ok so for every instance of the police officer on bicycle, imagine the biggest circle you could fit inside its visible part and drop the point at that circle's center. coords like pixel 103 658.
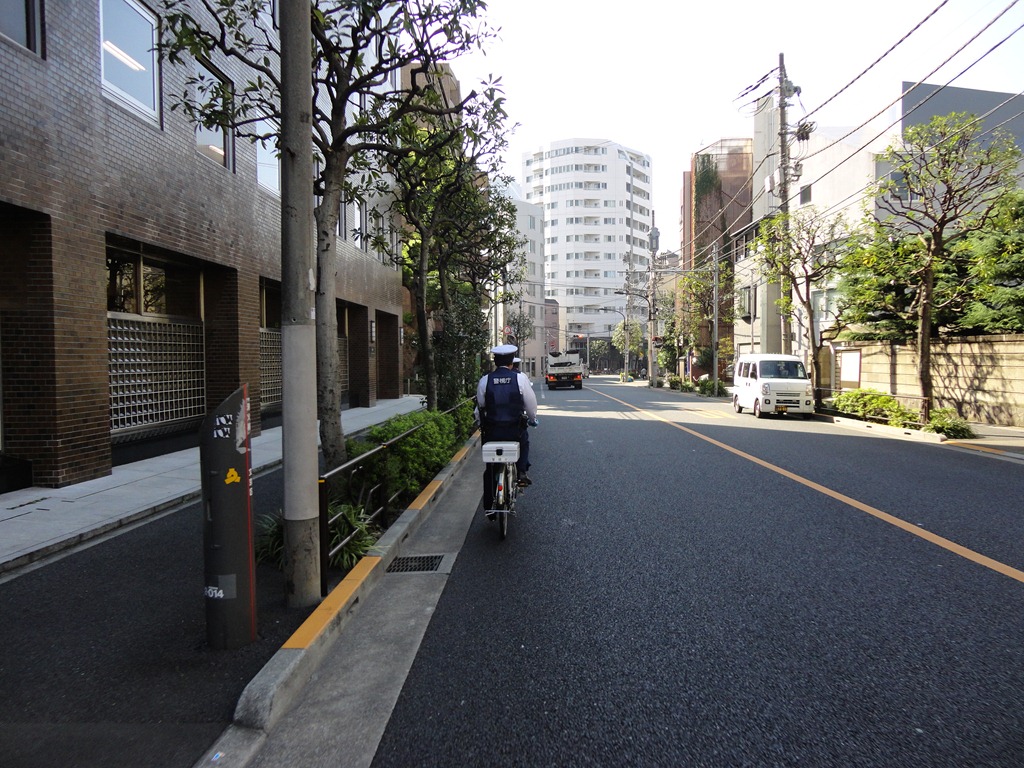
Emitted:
pixel 505 399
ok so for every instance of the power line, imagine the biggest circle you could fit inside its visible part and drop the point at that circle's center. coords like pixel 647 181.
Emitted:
pixel 936 69
pixel 875 63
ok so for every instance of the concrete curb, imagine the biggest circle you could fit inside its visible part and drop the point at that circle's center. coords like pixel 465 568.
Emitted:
pixel 883 429
pixel 274 690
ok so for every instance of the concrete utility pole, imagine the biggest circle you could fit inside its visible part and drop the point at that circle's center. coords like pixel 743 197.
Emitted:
pixel 785 91
pixel 714 323
pixel 652 322
pixel 298 312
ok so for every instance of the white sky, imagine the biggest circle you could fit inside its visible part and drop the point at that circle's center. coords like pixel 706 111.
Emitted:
pixel 662 76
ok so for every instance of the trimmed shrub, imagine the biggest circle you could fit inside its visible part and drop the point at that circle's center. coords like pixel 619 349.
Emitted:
pixel 872 405
pixel 416 459
pixel 946 421
pixel 707 387
pixel 674 382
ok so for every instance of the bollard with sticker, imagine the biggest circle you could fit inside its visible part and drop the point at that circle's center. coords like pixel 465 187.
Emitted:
pixel 225 460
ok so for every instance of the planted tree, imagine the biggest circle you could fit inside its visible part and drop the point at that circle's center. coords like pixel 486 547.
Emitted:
pixel 997 268
pixel 947 181
pixel 460 229
pixel 358 49
pixel 635 336
pixel 804 251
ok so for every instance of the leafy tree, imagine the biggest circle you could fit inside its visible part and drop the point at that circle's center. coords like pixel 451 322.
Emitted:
pixel 947 181
pixel 804 250
pixel 358 50
pixel 636 339
pixel 695 306
pixel 599 351
pixel 522 326
pixel 875 289
pixel 997 269
pixel 460 228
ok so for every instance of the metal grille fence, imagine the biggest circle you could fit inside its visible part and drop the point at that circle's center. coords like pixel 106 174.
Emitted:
pixel 271 377
pixel 157 372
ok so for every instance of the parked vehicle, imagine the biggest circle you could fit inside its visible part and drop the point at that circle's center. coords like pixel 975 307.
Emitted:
pixel 767 383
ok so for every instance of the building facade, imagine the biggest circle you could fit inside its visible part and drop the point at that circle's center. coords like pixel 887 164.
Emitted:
pixel 831 170
pixel 141 256
pixel 596 201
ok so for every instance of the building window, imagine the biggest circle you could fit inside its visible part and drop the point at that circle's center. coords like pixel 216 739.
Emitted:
pixel 359 227
pixel 269 16
pixel 145 285
pixel 213 142
pixel 343 231
pixel 805 195
pixel 21 21
pixel 128 34
pixel 268 164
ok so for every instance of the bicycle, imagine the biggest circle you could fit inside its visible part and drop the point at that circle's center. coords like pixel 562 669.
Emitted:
pixel 501 458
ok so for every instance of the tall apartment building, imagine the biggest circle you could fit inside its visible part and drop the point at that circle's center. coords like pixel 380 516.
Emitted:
pixel 140 258
pixel 596 200
pixel 530 289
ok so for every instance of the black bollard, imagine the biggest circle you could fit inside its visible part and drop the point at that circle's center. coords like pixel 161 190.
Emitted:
pixel 225 460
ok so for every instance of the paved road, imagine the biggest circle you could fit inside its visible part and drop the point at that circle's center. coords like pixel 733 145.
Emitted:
pixel 104 660
pixel 686 586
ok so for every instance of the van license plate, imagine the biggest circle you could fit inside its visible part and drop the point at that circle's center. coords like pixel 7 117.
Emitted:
pixel 781 408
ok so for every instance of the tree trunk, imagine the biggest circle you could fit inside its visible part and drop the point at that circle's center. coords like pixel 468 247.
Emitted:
pixel 814 345
pixel 924 341
pixel 426 337
pixel 332 435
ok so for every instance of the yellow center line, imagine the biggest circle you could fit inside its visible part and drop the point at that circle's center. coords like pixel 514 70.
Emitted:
pixel 951 546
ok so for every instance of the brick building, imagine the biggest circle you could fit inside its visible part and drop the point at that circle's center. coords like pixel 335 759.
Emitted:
pixel 139 257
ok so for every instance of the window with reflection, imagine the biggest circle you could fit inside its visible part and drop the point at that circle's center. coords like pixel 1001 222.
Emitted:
pixel 148 284
pixel 21 21
pixel 213 142
pixel 268 162
pixel 127 44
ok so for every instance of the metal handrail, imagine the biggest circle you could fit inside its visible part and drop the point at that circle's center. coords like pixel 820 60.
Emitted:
pixel 375 500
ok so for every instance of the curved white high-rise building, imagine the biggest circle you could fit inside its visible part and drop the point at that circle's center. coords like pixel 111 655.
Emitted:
pixel 596 198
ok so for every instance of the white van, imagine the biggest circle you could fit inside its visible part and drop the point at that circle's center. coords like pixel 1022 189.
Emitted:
pixel 772 384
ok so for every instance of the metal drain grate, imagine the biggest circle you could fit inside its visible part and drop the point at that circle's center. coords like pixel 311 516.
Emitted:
pixel 414 564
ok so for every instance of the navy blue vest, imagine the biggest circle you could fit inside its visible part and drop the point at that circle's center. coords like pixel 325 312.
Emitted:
pixel 503 402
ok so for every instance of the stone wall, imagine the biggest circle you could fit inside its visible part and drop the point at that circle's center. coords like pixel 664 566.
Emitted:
pixel 982 377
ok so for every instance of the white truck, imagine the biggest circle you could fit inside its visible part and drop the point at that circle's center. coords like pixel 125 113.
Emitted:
pixel 565 369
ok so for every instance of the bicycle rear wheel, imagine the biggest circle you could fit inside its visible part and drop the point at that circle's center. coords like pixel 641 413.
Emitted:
pixel 506 480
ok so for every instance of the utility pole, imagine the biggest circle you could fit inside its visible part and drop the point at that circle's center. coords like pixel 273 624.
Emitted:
pixel 298 315
pixel 714 323
pixel 652 360
pixel 786 90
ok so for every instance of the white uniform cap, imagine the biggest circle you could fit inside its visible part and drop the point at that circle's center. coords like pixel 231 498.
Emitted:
pixel 505 349
pixel 516 360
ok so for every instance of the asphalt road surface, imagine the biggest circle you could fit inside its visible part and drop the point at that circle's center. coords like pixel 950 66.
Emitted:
pixel 103 655
pixel 689 586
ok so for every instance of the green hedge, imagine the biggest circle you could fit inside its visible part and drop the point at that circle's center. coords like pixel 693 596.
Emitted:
pixel 870 404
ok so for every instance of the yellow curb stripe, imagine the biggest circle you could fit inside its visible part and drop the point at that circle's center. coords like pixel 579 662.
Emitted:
pixel 975 447
pixel 951 546
pixel 336 601
pixel 426 495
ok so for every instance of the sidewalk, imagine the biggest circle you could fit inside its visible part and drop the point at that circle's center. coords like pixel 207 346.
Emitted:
pixel 38 522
